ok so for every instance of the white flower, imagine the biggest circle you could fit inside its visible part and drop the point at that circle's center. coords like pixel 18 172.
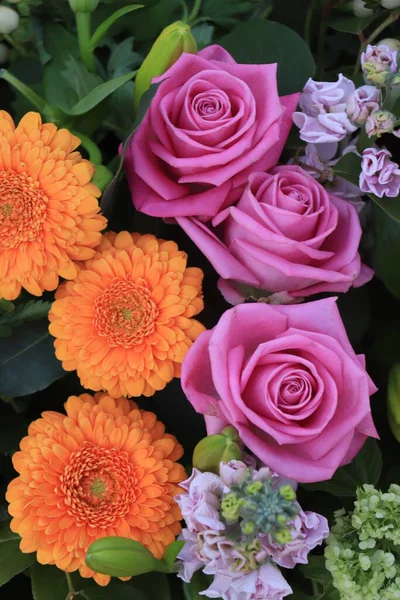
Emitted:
pixel 360 10
pixel 390 4
pixel 9 20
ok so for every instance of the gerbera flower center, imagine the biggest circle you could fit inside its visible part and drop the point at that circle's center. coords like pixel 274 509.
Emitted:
pixel 22 209
pixel 125 314
pixel 99 485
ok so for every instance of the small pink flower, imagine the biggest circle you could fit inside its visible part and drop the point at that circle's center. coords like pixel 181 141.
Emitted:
pixel 380 122
pixel 200 505
pixel 267 583
pixel 323 116
pixel 362 103
pixel 308 530
pixel 381 56
pixel 379 175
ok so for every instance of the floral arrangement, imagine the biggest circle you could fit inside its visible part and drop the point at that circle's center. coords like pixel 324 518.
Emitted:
pixel 199 294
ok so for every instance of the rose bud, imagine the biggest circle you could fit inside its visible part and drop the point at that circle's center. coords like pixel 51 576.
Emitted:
pixel 380 122
pixel 168 47
pixel 393 401
pixel 214 449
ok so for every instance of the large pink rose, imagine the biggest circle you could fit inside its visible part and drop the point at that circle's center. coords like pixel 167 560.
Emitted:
pixel 210 124
pixel 288 379
pixel 286 234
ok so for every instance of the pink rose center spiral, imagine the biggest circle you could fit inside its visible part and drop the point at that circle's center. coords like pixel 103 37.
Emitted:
pixel 212 105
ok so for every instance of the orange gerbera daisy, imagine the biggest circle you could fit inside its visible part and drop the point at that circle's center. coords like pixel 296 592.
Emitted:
pixel 125 322
pixel 105 469
pixel 48 207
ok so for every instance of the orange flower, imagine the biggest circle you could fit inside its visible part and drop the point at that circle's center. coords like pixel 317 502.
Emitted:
pixel 48 207
pixel 105 469
pixel 125 322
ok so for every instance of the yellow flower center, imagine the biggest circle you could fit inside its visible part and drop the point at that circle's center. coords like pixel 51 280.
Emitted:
pixel 125 314
pixel 22 209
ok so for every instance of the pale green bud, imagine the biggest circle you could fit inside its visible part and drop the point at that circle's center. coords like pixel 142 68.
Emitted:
pixel 283 536
pixel 230 507
pixel 375 74
pixel 360 10
pixel 393 401
pixel 390 4
pixel 83 6
pixel 168 47
pixel 248 527
pixel 254 487
pixel 287 492
pixel 391 43
pixel 120 557
pixel 214 449
pixel 9 20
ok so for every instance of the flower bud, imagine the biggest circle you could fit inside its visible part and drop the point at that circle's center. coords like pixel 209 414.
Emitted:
pixel 380 122
pixel 214 449
pixel 283 536
pixel 120 557
pixel 376 75
pixel 360 10
pixel 390 4
pixel 83 6
pixel 362 103
pixel 168 47
pixel 393 401
pixel 9 20
pixel 230 507
pixel 287 492
pixel 391 43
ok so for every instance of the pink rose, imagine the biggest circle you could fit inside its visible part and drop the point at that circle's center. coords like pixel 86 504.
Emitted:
pixel 288 379
pixel 210 124
pixel 286 234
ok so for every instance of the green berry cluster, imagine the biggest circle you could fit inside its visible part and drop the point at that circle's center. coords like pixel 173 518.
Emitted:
pixel 363 549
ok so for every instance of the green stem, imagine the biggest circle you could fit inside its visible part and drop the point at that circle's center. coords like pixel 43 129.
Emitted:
pixel 83 24
pixel 91 148
pixel 185 14
pixel 376 33
pixel 26 91
pixel 308 23
pixel 195 11
pixel 18 47
pixel 315 588
pixel 71 590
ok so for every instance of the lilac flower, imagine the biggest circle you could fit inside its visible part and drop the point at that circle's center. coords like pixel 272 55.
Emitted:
pixel 379 174
pixel 362 103
pixel 267 583
pixel 381 56
pixel 380 122
pixel 200 506
pixel 323 104
pixel 308 530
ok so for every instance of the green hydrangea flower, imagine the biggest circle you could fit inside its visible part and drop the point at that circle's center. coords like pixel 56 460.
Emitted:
pixel 363 549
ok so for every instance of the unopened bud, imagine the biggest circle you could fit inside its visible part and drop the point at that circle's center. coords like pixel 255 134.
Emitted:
pixel 380 122
pixel 247 527
pixel 391 43
pixel 9 20
pixel 287 492
pixel 390 4
pixel 360 10
pixel 120 557
pixel 375 74
pixel 83 6
pixel 168 47
pixel 230 507
pixel 393 401
pixel 214 449
pixel 283 536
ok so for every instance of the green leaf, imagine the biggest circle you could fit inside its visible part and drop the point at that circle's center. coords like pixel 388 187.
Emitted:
pixel 12 560
pixel 48 582
pixel 37 31
pixel 365 468
pixel 152 585
pixel 100 93
pixel 102 29
pixel 109 193
pixel 198 583
pixel 391 206
pixel 27 360
pixel 115 589
pixel 387 250
pixel 226 13
pixel 203 34
pixel 316 570
pixel 262 42
pixel 25 90
pixel 6 534
pixel 123 59
pixel 78 77
pixel 61 45
pixel 349 168
pixel 31 311
pixel 12 430
pixel 171 552
pixel 351 24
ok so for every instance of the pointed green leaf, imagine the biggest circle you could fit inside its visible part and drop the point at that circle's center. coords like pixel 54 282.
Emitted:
pixel 12 560
pixel 102 29
pixel 391 206
pixel 48 582
pixel 98 94
pixel 171 552
pixel 349 168
pixel 26 91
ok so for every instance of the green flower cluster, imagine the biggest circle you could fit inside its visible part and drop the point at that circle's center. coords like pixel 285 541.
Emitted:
pixel 363 549
pixel 255 507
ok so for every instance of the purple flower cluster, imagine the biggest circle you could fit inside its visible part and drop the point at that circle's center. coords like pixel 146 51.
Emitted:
pixel 240 571
pixel 379 175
